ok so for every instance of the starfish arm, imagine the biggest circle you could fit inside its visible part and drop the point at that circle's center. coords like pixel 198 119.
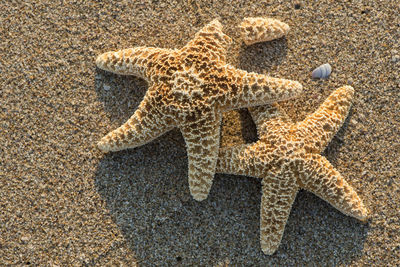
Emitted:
pixel 278 194
pixel 146 124
pixel 319 128
pixel 321 178
pixel 202 143
pixel 210 41
pixel 255 30
pixel 237 160
pixel 249 89
pixel 132 61
pixel 268 116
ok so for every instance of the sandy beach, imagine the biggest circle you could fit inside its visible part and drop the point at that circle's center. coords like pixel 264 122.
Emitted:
pixel 64 202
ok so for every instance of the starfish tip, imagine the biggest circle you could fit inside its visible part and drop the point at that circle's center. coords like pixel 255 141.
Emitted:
pixel 268 251
pixel 100 60
pixel 216 23
pixel 103 146
pixel 347 89
pixel 199 197
pixel 298 86
pixel 364 216
pixel 295 87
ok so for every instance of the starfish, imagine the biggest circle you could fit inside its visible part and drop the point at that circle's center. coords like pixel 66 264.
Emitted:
pixel 189 88
pixel 287 158
pixel 256 30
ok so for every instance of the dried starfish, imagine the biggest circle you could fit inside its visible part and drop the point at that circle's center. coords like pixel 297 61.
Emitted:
pixel 188 89
pixel 286 158
pixel 256 30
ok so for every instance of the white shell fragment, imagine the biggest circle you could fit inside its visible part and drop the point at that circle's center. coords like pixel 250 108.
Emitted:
pixel 322 72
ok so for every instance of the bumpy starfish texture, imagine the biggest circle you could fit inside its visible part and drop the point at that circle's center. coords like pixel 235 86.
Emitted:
pixel 188 89
pixel 255 30
pixel 286 158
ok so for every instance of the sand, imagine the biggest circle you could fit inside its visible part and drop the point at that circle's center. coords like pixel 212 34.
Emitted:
pixel 63 202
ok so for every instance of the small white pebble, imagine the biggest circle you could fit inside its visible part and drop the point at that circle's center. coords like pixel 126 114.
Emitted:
pixel 106 87
pixel 395 58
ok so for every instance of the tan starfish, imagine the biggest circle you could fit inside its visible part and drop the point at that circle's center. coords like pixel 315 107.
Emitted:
pixel 256 30
pixel 188 89
pixel 286 158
